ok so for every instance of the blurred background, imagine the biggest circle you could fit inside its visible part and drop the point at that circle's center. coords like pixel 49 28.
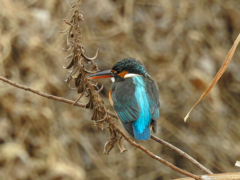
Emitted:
pixel 181 43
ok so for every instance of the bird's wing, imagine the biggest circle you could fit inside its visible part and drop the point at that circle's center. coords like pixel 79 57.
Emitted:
pixel 124 101
pixel 153 94
pixel 126 105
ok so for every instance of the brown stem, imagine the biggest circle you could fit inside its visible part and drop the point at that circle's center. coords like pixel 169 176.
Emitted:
pixel 151 154
pixel 188 157
pixel 41 93
pixel 61 99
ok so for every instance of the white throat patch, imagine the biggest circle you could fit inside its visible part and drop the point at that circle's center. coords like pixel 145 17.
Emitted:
pixel 112 79
pixel 129 75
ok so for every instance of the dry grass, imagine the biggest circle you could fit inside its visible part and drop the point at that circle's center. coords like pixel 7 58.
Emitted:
pixel 182 44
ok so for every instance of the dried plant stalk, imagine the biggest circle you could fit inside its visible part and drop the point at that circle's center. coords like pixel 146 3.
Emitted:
pixel 218 75
pixel 77 66
pixel 111 142
pixel 78 74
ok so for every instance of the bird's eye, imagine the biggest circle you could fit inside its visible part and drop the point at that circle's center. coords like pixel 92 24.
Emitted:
pixel 115 72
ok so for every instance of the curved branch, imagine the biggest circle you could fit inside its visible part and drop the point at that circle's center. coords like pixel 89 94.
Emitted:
pixel 195 162
pixel 151 154
pixel 93 58
pixel 41 93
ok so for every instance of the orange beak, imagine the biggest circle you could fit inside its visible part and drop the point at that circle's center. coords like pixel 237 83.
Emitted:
pixel 101 74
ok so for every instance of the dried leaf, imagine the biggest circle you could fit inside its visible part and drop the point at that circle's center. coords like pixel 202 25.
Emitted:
pixel 78 72
pixel 100 89
pixel 69 65
pixel 75 72
pixel 94 69
pixel 90 105
pixel 120 145
pixel 86 61
pixel 111 142
pixel 78 80
pixel 67 49
pixel 218 75
pixel 93 58
pixel 81 88
pixel 86 71
pixel 67 22
pixel 99 112
pixel 98 124
pixel 70 56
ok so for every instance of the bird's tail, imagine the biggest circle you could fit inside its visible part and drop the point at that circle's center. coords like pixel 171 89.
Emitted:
pixel 145 135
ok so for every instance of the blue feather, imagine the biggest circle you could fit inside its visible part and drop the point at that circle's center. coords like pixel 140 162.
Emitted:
pixel 141 126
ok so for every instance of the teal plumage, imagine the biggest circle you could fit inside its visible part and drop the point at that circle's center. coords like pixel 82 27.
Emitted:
pixel 135 97
pixel 135 107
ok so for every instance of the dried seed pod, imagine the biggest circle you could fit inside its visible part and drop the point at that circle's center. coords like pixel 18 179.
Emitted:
pixel 81 88
pixel 111 141
pixel 93 58
pixel 78 80
pixel 94 68
pixel 75 72
pixel 90 105
pixel 69 65
pixel 120 145
pixel 78 71
pixel 99 124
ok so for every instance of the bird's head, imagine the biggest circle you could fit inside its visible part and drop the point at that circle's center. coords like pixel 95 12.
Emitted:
pixel 123 69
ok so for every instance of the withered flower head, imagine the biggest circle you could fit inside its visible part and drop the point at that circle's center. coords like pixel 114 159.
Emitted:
pixel 77 66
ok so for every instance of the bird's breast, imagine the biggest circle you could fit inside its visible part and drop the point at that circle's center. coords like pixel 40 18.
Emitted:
pixel 110 97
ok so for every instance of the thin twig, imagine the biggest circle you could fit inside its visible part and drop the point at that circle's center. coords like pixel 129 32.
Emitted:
pixel 113 115
pixel 41 93
pixel 151 154
pixel 57 98
pixel 188 157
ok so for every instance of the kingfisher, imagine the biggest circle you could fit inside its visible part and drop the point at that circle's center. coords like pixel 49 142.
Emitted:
pixel 134 96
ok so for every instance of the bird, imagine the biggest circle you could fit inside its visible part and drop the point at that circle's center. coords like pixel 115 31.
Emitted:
pixel 134 96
